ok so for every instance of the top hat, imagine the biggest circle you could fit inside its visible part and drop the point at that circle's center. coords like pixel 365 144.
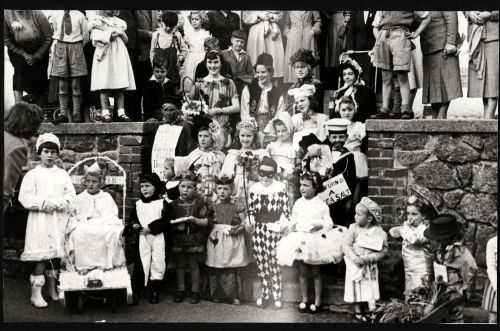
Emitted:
pixel 442 227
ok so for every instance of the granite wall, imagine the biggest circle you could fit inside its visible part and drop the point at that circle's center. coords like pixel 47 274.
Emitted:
pixel 454 162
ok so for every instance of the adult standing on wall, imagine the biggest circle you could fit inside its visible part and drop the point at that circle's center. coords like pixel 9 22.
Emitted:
pixel 439 42
pixel 261 41
pixel 21 123
pixel 301 29
pixel 28 36
pixel 146 23
pixel 482 35
pixel 221 24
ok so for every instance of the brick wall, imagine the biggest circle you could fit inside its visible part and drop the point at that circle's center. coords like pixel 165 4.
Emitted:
pixel 129 144
pixel 453 162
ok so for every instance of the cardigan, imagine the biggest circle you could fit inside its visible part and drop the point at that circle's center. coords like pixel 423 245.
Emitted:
pixel 442 30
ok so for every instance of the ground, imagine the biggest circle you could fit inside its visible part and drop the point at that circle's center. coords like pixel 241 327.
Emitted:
pixel 17 308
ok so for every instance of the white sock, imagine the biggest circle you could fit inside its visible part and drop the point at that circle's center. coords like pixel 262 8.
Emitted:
pixel 121 112
pixel 105 112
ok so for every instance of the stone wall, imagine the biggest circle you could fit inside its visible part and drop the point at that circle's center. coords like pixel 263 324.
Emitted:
pixel 129 144
pixel 453 162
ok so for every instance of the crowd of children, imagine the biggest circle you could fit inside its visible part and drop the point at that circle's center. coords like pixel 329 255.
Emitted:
pixel 260 178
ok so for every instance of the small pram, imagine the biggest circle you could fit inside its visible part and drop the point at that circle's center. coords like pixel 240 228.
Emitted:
pixel 76 287
pixel 441 314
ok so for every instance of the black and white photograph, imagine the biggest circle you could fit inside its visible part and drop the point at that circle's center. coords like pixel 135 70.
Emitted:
pixel 250 166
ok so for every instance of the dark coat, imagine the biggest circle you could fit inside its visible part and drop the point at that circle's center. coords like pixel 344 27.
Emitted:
pixel 146 24
pixel 221 27
pixel 359 35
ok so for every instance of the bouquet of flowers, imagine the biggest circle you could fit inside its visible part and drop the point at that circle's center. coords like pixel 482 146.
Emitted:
pixel 193 107
pixel 247 160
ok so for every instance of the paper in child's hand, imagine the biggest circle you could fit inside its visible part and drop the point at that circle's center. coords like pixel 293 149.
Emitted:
pixel 440 273
pixel 179 220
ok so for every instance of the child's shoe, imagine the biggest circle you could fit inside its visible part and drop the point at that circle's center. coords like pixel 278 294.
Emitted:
pixel 195 298
pixel 52 276
pixel 313 309
pixel 124 118
pixel 179 296
pixel 37 283
pixel 236 302
pixel 277 304
pixel 106 118
pixel 303 307
pixel 155 293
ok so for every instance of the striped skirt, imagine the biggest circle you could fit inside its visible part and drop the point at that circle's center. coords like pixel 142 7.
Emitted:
pixel 489 298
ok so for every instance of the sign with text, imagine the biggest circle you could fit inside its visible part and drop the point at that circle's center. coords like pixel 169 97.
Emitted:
pixel 336 189
pixel 164 147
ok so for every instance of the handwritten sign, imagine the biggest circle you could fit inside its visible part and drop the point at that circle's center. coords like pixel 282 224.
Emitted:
pixel 375 243
pixel 440 273
pixel 164 147
pixel 336 189
pixel 110 180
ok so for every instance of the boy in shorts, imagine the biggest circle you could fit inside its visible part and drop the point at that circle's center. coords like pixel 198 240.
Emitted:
pixel 70 34
pixel 392 54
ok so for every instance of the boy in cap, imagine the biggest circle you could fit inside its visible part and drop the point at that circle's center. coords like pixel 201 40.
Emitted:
pixel 342 211
pixel 241 64
pixel 453 257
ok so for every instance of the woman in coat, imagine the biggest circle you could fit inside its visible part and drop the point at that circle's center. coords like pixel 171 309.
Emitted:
pixel 483 58
pixel 439 42
pixel 259 42
pixel 301 29
pixel 28 36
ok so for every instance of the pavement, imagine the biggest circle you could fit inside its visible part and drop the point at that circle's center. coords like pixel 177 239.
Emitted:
pixel 17 308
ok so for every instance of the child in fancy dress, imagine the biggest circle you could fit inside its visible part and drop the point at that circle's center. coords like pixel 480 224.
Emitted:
pixel 149 221
pixel 206 161
pixel 47 192
pixel 189 221
pixel 416 248
pixel 95 238
pixel 364 244
pixel 268 216
pixel 111 67
pixel 226 249
pixel 313 241
pixel 241 163
pixel 454 265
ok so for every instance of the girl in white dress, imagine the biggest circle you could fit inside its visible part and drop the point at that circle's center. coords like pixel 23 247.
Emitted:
pixel 196 51
pixel 46 191
pixel 111 67
pixel 313 240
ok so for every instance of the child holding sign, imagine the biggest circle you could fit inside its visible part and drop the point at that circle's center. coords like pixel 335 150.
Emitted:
pixel 454 265
pixel 313 240
pixel 188 242
pixel 364 245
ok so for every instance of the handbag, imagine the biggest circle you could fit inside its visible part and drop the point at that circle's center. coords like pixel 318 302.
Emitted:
pixel 170 55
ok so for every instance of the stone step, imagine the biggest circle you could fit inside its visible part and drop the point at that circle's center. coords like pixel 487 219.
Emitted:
pixel 333 288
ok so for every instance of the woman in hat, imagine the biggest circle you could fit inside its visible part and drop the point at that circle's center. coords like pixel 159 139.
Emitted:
pixel 454 258
pixel 220 96
pixel 47 192
pixel 364 244
pixel 307 119
pixel 259 42
pixel 261 101
pixel 301 30
pixel 362 95
pixel 303 63
pixel 416 248
pixel 268 218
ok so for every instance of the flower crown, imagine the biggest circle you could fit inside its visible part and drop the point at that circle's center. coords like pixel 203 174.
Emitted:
pixel 355 64
pixel 246 125
pixel 214 127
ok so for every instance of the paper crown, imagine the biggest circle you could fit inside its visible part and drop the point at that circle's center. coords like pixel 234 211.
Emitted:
pixel 303 91
pixel 248 125
pixel 373 208
pixel 94 168
pixel 47 137
pixel 337 125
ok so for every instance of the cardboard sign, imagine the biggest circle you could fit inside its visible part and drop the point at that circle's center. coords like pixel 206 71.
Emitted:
pixel 374 243
pixel 336 189
pixel 164 146
pixel 440 273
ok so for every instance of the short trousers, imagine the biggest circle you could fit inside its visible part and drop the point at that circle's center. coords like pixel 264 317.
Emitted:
pixel 392 50
pixel 68 60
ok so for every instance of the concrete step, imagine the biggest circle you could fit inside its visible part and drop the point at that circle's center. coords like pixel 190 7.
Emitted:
pixel 333 288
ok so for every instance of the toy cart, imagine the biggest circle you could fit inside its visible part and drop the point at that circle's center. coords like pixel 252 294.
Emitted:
pixel 114 284
pixel 441 314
